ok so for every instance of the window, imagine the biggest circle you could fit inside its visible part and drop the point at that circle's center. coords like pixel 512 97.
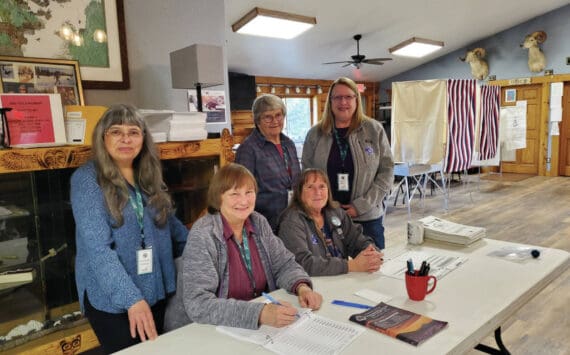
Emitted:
pixel 298 120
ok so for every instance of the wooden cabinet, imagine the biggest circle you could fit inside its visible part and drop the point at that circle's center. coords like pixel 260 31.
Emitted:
pixel 37 233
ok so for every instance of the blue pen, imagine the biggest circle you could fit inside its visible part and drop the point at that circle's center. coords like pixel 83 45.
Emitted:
pixel 410 267
pixel 274 301
pixel 351 304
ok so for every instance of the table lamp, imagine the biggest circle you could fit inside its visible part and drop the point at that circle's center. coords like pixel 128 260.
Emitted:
pixel 197 66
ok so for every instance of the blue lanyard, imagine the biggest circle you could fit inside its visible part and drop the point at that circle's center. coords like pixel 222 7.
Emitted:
pixel 244 251
pixel 139 211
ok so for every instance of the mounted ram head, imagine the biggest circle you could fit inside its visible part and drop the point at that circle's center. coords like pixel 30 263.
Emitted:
pixel 536 58
pixel 479 67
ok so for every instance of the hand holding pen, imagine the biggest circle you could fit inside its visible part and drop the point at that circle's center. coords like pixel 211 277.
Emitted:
pixel 277 313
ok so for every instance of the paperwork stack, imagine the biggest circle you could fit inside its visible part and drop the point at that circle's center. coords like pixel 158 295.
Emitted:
pixel 450 232
pixel 167 125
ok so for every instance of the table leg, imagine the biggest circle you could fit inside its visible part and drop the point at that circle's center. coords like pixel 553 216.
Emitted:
pixel 489 350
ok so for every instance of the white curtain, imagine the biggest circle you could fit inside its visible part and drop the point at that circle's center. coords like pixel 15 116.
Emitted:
pixel 419 116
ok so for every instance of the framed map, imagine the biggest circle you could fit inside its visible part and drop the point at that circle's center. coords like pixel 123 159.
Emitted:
pixel 89 31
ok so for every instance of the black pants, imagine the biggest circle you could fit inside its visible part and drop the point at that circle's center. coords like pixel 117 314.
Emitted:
pixel 113 329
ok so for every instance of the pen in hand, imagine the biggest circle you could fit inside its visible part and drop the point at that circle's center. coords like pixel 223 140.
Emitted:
pixel 274 301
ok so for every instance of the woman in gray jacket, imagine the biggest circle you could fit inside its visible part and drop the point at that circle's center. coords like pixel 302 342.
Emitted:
pixel 231 257
pixel 320 233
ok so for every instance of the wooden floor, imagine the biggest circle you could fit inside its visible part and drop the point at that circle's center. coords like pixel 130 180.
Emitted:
pixel 535 210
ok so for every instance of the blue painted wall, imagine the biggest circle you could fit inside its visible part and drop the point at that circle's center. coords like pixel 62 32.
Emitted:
pixel 505 57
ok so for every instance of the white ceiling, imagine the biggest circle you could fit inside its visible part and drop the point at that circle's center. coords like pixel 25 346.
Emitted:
pixel 383 24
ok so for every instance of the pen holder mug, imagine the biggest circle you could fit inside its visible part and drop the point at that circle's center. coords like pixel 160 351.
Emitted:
pixel 417 286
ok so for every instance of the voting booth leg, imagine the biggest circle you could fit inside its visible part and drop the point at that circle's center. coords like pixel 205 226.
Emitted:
pixel 489 350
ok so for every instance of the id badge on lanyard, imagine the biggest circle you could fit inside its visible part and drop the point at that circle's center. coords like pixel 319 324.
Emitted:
pixel 144 261
pixel 343 184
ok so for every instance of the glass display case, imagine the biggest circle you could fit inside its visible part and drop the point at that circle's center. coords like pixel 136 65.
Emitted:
pixel 37 247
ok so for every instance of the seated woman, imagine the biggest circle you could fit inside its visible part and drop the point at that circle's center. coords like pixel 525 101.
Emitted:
pixel 234 257
pixel 321 234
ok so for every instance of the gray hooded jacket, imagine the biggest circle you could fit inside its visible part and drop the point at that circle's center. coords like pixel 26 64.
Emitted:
pixel 203 276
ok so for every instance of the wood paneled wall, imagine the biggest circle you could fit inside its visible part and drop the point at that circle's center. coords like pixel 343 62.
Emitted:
pixel 242 121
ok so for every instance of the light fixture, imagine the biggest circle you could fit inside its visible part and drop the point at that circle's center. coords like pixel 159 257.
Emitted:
pixel 258 88
pixel 272 89
pixel 270 23
pixel 308 91
pixel 297 90
pixel 197 66
pixel 416 47
pixel 287 90
pixel 319 90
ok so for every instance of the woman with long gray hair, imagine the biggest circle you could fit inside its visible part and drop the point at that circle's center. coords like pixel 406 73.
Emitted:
pixel 126 232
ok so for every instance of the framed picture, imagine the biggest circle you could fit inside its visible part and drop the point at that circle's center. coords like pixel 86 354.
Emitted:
pixel 213 104
pixel 42 76
pixel 510 95
pixel 89 31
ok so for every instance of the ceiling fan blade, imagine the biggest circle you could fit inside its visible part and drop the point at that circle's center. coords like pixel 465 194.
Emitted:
pixel 374 63
pixel 347 64
pixel 344 61
pixel 377 59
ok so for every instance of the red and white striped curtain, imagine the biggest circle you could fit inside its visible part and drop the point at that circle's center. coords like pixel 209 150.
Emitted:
pixel 490 112
pixel 461 115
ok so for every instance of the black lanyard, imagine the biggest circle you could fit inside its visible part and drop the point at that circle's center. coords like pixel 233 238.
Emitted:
pixel 342 146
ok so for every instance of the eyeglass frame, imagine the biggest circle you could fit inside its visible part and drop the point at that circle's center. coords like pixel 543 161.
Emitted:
pixel 129 133
pixel 279 117
pixel 341 98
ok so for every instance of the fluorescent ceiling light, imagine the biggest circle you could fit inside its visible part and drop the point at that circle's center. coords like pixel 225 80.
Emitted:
pixel 270 23
pixel 416 47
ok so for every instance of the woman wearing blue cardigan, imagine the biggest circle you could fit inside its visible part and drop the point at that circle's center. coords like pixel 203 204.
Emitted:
pixel 126 233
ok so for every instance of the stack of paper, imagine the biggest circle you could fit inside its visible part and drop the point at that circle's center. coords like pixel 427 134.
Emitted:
pixel 175 126
pixel 447 231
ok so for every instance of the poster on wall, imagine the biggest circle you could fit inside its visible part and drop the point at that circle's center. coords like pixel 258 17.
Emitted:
pixel 213 104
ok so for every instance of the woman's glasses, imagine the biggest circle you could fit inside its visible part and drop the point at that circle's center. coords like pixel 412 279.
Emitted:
pixel 340 98
pixel 267 118
pixel 117 133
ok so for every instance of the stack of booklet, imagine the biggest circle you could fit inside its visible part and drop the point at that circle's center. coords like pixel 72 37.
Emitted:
pixel 167 125
pixel 446 231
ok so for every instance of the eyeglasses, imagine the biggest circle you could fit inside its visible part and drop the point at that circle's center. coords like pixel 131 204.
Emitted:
pixel 269 118
pixel 117 133
pixel 340 98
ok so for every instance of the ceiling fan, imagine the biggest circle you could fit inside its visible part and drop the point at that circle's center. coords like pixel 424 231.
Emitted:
pixel 359 59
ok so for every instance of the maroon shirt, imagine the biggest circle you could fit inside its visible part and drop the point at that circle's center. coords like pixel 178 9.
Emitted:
pixel 240 285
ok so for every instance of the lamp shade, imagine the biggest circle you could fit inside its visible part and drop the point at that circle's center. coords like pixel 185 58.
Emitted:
pixel 197 64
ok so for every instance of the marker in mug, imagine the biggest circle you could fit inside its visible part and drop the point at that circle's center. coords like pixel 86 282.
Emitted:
pixel 274 301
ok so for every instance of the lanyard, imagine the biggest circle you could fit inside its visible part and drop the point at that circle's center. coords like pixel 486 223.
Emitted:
pixel 139 211
pixel 286 160
pixel 342 147
pixel 329 242
pixel 246 257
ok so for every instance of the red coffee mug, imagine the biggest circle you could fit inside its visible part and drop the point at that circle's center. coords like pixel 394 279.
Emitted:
pixel 417 286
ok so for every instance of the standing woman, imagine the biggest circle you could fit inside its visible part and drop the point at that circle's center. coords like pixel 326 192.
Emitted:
pixel 126 233
pixel 271 157
pixel 354 151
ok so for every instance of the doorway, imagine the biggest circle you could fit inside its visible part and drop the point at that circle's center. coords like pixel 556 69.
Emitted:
pixel 526 161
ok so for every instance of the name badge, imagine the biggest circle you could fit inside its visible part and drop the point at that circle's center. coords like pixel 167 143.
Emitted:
pixel 289 197
pixel 144 261
pixel 343 182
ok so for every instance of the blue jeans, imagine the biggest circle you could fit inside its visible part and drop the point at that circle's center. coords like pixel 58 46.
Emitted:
pixel 374 229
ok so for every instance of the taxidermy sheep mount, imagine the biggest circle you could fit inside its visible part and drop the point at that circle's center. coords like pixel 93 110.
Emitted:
pixel 479 67
pixel 536 58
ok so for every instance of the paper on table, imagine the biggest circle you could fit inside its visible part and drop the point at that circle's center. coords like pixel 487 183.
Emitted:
pixel 311 334
pixel 440 264
pixel 373 296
